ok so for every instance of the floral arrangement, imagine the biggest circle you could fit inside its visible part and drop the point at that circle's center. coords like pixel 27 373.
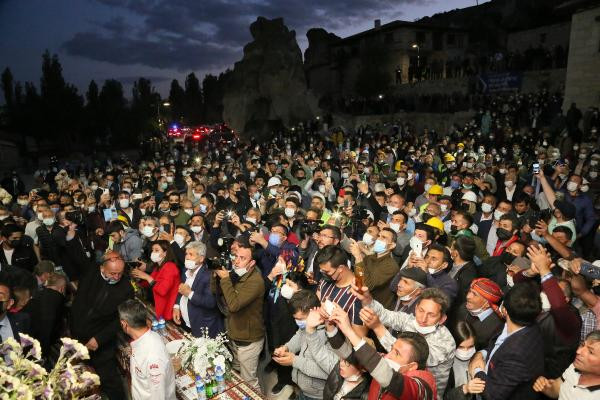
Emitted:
pixel 204 353
pixel 22 377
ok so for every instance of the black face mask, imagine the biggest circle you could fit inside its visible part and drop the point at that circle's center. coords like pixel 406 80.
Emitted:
pixel 15 243
pixel 507 258
pixel 174 206
pixel 503 234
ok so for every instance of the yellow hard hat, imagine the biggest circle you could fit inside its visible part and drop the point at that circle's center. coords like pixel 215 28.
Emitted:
pixel 398 165
pixel 435 222
pixel 461 145
pixel 449 157
pixel 436 189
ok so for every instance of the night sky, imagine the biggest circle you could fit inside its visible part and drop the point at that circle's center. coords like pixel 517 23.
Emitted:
pixel 166 39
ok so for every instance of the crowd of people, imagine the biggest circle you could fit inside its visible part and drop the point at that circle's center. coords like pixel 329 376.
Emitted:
pixel 374 265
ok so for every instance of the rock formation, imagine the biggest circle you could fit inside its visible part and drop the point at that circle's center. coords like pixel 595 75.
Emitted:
pixel 267 88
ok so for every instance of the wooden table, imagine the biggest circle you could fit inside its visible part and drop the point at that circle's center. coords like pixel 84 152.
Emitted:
pixel 237 389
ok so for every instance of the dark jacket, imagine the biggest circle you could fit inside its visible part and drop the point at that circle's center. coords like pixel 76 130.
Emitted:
pixel 515 366
pixel 334 384
pixel 465 275
pixel 94 310
pixel 485 330
pixel 19 323
pixel 379 272
pixel 244 302
pixel 47 312
pixel 23 257
pixel 202 306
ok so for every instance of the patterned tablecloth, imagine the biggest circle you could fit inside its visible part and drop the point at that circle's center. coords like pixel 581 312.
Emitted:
pixel 237 389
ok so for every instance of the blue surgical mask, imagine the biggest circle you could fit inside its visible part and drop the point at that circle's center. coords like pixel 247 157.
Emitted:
pixel 379 246
pixel 301 324
pixel 454 184
pixel 274 239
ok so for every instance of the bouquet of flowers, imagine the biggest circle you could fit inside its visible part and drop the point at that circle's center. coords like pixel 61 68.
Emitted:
pixel 205 353
pixel 22 377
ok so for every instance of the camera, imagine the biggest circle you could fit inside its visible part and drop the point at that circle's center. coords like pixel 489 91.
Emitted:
pixel 537 216
pixel 222 261
pixel 75 216
pixel 308 227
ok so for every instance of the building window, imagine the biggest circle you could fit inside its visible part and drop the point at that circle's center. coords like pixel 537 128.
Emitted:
pixel 388 38
pixel 542 38
pixel 451 39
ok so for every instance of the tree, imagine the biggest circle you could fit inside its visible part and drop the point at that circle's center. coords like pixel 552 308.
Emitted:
pixel 8 88
pixel 113 113
pixel 177 100
pixel 212 88
pixel 193 99
pixel 144 106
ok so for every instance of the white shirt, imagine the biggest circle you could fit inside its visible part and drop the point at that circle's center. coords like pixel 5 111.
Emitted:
pixel 152 374
pixel 8 254
pixel 571 390
pixel 190 276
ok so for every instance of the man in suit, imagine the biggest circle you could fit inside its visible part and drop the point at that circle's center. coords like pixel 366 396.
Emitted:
pixel 95 320
pixel 47 309
pixel 196 304
pixel 512 363
pixel 11 324
pixel 15 251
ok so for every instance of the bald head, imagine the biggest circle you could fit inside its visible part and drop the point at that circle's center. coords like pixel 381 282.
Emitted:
pixel 112 267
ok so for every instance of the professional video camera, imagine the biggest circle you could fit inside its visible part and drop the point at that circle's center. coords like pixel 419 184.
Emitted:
pixel 76 217
pixel 223 260
pixel 308 227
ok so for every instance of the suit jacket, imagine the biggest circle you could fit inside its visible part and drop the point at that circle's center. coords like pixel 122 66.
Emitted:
pixel 485 330
pixel 19 323
pixel 47 309
pixel 202 306
pixel 23 256
pixel 94 310
pixel 483 227
pixel 515 366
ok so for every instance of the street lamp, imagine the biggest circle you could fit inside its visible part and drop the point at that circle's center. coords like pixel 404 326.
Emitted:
pixel 165 104
pixel 380 97
pixel 416 46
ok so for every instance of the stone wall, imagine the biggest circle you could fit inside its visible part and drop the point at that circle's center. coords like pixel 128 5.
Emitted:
pixel 440 122
pixel 552 35
pixel 583 78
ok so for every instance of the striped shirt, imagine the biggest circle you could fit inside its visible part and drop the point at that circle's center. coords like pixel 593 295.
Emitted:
pixel 343 297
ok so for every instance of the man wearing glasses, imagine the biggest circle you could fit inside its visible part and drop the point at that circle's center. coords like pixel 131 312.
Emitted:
pixel 95 319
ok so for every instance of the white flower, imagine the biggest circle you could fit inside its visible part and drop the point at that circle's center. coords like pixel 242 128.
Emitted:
pixel 219 361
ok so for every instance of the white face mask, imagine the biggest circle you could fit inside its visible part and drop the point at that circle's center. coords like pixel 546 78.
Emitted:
pixel 431 271
pixel 498 214
pixel 155 257
pixel 196 229
pixel 289 212
pixel 400 181
pixel 124 203
pixel 424 330
pixel 190 264
pixel 572 186
pixel 287 292
pixel 353 378
pixel 368 239
pixel 91 209
pixel 413 212
pixel 486 208
pixel 179 239
pixel 240 271
pixel 189 211
pixel 443 208
pixel 407 297
pixel 509 184
pixel 509 281
pixel 322 189
pixel 465 355
pixel 392 209
pixel 545 302
pixel 47 221
pixel 40 216
pixel 395 227
pixel 148 231
pixel 250 219
pixel 393 364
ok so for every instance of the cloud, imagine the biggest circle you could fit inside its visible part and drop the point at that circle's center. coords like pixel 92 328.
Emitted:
pixel 209 34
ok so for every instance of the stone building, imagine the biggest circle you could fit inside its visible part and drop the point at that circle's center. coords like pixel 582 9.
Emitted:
pixel 583 78
pixel 411 48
